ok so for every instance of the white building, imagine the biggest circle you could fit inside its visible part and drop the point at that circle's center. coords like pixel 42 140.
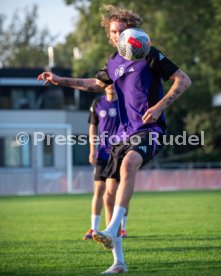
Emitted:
pixel 46 116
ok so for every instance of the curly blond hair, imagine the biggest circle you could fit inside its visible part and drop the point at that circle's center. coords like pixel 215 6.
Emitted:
pixel 110 13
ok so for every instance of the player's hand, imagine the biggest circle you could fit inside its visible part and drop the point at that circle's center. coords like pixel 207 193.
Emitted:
pixel 92 158
pixel 49 78
pixel 151 115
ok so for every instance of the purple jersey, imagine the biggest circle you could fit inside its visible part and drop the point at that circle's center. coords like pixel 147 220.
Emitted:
pixel 138 85
pixel 105 115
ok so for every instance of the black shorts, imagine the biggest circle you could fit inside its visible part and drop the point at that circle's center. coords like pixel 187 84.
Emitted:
pixel 98 169
pixel 147 148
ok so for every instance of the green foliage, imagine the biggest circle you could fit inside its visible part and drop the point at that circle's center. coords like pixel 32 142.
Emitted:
pixel 204 121
pixel 22 44
pixel 90 39
pixel 63 55
pixel 170 233
pixel 189 33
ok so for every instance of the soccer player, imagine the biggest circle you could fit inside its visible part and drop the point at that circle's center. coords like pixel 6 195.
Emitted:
pixel 103 119
pixel 141 106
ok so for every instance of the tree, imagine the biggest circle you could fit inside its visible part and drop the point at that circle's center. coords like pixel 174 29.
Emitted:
pixel 23 45
pixel 189 33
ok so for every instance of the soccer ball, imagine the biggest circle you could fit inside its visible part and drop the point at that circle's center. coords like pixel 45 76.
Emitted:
pixel 133 44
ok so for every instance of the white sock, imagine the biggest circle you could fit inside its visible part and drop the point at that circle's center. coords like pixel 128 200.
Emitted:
pixel 124 223
pixel 118 250
pixel 95 222
pixel 117 216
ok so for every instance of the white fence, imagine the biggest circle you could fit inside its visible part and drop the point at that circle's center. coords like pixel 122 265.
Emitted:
pixel 55 181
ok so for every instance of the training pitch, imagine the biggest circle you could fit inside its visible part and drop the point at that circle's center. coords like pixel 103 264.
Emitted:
pixel 170 233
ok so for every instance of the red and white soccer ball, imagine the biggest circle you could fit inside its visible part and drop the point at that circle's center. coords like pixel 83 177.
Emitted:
pixel 133 44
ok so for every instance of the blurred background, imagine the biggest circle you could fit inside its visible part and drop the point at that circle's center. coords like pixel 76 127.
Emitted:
pixel 65 37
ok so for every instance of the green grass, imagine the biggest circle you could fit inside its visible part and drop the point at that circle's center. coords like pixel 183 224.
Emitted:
pixel 170 233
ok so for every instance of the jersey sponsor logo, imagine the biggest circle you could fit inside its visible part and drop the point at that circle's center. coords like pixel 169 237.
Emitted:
pixel 161 56
pixel 102 113
pixel 119 71
pixel 112 112
pixel 131 69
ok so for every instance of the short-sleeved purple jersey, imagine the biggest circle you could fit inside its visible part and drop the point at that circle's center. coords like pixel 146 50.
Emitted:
pixel 138 85
pixel 105 115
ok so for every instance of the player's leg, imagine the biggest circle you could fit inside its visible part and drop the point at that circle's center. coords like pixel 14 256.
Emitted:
pixel 111 172
pixel 96 207
pixel 109 198
pixel 97 200
pixel 97 203
pixel 109 201
pixel 124 225
pixel 117 251
pixel 130 165
pixel 112 239
pixel 134 157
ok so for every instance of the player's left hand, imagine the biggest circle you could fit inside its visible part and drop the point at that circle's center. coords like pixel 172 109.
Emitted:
pixel 151 115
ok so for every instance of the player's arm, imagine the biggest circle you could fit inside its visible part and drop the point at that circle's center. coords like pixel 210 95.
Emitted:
pixel 180 84
pixel 90 84
pixel 166 70
pixel 93 130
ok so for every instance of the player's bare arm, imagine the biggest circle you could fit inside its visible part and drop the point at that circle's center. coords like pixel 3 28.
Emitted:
pixel 92 84
pixel 93 131
pixel 180 84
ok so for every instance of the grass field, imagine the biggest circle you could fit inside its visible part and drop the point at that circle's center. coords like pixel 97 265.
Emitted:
pixel 170 233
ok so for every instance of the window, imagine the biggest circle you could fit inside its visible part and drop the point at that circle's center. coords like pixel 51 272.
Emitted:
pixel 48 151
pixel 81 152
pixel 13 154
pixel 23 99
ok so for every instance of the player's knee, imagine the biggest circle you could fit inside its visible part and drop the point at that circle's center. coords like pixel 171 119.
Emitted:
pixel 99 191
pixel 109 198
pixel 102 190
pixel 128 166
